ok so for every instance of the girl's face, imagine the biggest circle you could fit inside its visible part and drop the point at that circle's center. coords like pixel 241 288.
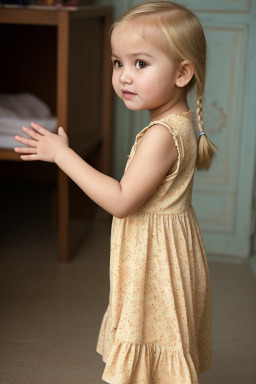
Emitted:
pixel 144 77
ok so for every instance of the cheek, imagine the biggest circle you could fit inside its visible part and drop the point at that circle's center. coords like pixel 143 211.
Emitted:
pixel 150 80
pixel 114 81
pixel 116 85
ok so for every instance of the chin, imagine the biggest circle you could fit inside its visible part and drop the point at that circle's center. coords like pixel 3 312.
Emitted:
pixel 133 107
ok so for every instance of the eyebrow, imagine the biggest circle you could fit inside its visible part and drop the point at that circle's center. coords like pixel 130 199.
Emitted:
pixel 136 54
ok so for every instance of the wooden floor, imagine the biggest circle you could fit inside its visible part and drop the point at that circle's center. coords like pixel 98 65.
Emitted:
pixel 51 312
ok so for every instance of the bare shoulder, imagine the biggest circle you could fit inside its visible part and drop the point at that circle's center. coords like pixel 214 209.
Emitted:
pixel 159 137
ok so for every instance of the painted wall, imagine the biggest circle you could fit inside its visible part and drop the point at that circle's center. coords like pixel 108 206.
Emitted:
pixel 223 197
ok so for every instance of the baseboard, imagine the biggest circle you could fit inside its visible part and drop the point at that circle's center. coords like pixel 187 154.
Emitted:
pixel 252 262
pixel 226 259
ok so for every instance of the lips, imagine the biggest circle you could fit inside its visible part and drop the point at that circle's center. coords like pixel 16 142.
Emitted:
pixel 127 94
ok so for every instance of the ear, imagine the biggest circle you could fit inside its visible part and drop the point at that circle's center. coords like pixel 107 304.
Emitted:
pixel 185 73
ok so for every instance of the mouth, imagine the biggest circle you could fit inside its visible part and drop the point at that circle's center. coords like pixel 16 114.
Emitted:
pixel 127 94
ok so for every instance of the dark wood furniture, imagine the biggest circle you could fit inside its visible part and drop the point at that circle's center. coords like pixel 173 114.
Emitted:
pixel 62 55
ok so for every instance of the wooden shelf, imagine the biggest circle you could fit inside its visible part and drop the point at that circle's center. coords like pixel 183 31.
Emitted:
pixel 62 55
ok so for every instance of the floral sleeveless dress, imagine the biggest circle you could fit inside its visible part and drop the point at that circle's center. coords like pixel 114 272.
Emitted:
pixel 157 327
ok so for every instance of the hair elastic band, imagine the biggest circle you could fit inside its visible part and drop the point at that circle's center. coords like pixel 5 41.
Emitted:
pixel 202 133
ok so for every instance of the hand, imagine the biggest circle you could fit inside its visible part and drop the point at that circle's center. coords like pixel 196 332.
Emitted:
pixel 43 144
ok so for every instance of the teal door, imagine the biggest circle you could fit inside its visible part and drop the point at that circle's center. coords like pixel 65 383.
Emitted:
pixel 223 196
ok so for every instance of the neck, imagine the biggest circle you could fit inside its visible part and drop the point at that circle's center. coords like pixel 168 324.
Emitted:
pixel 166 110
pixel 177 104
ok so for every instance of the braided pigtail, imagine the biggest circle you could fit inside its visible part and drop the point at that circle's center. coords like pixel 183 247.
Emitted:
pixel 206 149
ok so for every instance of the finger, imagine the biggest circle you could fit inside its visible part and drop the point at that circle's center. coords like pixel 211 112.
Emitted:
pixel 25 150
pixel 39 129
pixel 24 140
pixel 30 132
pixel 29 157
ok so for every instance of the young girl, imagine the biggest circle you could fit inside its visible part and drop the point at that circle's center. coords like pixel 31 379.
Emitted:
pixel 157 327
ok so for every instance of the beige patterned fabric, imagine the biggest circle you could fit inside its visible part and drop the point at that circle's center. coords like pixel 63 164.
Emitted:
pixel 157 327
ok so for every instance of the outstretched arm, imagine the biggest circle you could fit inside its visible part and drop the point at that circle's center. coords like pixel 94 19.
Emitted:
pixel 46 146
pixel 155 155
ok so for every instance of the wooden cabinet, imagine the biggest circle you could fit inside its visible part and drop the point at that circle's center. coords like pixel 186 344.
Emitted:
pixel 62 55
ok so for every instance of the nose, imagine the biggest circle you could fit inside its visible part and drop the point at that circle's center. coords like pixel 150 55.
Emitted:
pixel 125 76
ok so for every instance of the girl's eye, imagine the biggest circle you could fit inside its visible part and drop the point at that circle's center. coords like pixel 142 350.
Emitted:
pixel 117 64
pixel 141 64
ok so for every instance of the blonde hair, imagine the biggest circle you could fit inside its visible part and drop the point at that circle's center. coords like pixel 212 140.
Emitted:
pixel 184 40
